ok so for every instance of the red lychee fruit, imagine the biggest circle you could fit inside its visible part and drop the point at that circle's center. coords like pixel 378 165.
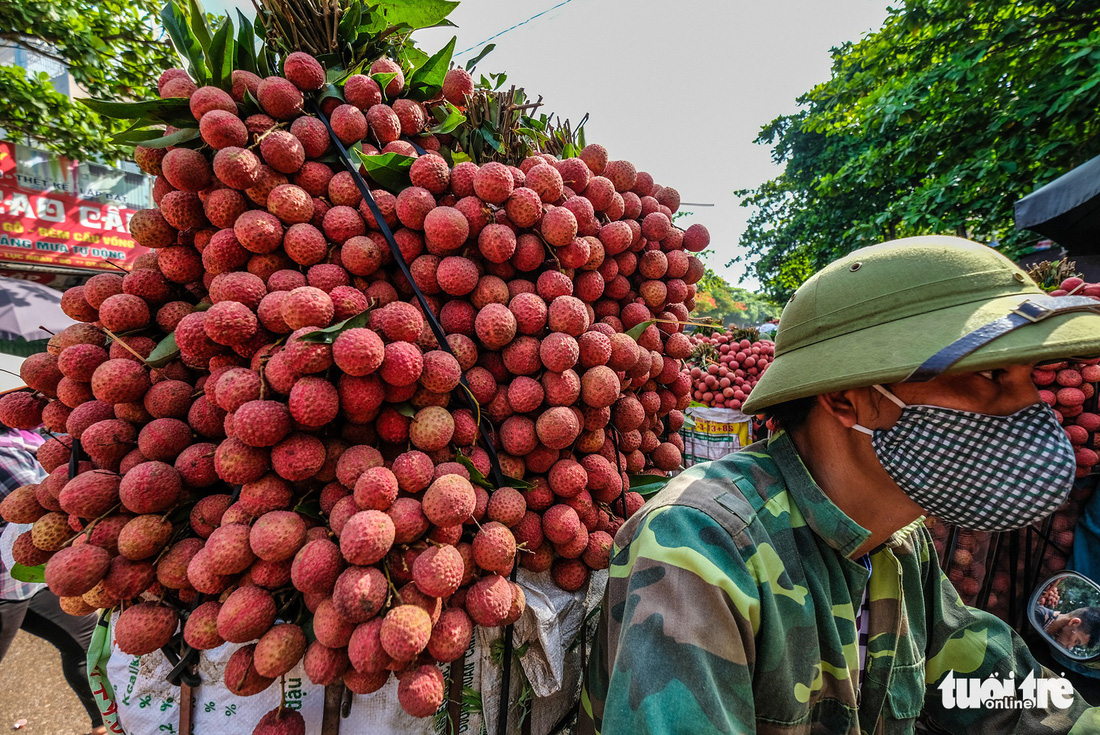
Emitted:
pixel 493 183
pixel 367 537
pixel 362 91
pixel 74 570
pixel 305 73
pixel 449 501
pixel 186 169
pixel 489 600
pixel 280 98
pixel 221 129
pixel 144 628
pixel 420 691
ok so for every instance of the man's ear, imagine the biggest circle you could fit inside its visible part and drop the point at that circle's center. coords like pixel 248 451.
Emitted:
pixel 1075 622
pixel 840 406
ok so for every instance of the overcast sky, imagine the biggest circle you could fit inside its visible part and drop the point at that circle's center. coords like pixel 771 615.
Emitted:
pixel 678 88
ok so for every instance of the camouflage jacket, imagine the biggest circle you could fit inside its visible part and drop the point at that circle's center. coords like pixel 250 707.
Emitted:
pixel 731 608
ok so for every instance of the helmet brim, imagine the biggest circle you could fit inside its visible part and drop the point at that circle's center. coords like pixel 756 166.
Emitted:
pixel 891 351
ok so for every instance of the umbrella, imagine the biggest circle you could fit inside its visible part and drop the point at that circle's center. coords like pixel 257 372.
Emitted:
pixel 1067 210
pixel 9 373
pixel 30 310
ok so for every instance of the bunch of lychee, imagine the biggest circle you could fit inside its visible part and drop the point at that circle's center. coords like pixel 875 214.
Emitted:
pixel 1070 388
pixel 725 369
pixel 268 474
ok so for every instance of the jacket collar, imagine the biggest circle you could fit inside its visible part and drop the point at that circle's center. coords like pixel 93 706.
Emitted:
pixel 822 515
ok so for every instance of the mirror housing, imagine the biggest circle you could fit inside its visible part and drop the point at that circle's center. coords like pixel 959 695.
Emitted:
pixel 1065 610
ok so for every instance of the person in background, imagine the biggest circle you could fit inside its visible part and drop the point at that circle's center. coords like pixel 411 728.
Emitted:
pixel 792 588
pixel 1071 629
pixel 32 607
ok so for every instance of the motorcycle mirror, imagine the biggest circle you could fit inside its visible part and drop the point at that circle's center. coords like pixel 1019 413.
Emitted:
pixel 1066 611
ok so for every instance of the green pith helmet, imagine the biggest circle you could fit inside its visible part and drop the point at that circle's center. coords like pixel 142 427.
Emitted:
pixel 915 308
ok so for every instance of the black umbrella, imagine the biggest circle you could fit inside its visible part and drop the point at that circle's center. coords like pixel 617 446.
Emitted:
pixel 1067 210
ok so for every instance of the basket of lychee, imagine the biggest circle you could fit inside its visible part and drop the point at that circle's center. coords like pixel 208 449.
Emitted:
pixel 724 369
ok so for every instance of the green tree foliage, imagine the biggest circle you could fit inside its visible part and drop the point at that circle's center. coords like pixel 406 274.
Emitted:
pixel 717 299
pixel 936 123
pixel 113 49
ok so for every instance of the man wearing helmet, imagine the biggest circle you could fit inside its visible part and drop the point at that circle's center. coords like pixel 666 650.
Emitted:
pixel 792 588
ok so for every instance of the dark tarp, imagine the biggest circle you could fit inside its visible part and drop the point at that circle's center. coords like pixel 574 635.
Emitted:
pixel 1067 210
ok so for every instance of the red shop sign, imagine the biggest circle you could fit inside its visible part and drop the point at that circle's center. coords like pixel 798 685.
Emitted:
pixel 59 229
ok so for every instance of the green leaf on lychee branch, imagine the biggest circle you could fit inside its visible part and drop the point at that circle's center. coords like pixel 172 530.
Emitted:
pixel 405 409
pixel 471 700
pixel 186 43
pixel 410 57
pixel 162 110
pixel 333 74
pixel 427 80
pixel 518 484
pixel 490 139
pixel 391 170
pixel 166 351
pixel 163 141
pixel 307 628
pixel 348 29
pixel 328 335
pixel 29 574
pixel 222 55
pixel 416 13
pixel 646 485
pixel 475 475
pixel 330 90
pixel 264 61
pixel 138 133
pixel 485 50
pixel 246 45
pixel 199 25
pixel 310 507
pixel 449 118
pixel 482 481
pixel 636 331
pixel 383 79
pixel 493 81
pixel 536 135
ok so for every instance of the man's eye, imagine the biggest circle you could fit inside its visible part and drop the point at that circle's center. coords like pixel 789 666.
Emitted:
pixel 987 374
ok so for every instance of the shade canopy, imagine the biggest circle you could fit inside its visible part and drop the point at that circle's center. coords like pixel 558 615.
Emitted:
pixel 1067 210
pixel 30 310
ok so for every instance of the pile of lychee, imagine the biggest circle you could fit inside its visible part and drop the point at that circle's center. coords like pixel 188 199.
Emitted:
pixel 321 497
pixel 1070 388
pixel 724 368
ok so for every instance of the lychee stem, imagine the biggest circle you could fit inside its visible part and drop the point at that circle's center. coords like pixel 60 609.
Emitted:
pixel 91 524
pixel 393 589
pixel 58 438
pixel 132 351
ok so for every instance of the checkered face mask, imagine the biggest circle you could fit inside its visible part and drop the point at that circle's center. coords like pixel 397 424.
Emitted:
pixel 982 472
